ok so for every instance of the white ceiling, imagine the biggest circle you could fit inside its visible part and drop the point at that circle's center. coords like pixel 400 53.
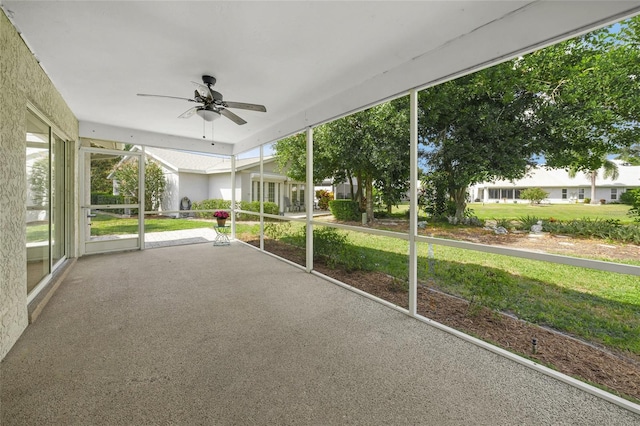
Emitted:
pixel 307 62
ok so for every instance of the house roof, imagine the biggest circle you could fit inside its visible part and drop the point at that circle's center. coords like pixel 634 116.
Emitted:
pixel 190 162
pixel 628 177
pixel 308 62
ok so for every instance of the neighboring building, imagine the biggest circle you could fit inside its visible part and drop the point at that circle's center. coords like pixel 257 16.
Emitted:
pixel 201 177
pixel 560 187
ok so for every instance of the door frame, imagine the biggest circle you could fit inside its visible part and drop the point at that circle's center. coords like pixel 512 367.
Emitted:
pixel 88 246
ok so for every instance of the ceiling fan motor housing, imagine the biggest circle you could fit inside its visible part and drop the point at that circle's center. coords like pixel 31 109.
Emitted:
pixel 208 80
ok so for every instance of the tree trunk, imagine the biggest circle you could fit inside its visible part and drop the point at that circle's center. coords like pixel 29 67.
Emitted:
pixel 594 175
pixel 460 198
pixel 369 183
pixel 351 187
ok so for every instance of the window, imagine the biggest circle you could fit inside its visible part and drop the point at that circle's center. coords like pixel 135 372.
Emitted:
pixel 507 193
pixel 516 194
pixel 581 194
pixel 564 193
pixel 494 193
pixel 271 194
pixel 614 193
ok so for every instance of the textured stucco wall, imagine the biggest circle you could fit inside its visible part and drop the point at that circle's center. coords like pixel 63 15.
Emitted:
pixel 22 80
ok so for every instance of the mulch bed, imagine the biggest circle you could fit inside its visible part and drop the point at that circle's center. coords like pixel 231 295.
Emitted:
pixel 619 372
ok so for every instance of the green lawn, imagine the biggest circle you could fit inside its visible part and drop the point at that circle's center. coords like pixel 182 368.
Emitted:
pixel 599 306
pixel 557 211
pixel 513 211
pixel 109 225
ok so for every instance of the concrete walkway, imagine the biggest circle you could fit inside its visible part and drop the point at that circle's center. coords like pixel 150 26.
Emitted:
pixel 204 335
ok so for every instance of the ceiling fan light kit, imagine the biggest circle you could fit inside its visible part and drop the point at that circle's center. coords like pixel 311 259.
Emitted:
pixel 208 114
pixel 212 103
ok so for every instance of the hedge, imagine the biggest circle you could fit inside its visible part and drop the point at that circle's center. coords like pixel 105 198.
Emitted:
pixel 218 204
pixel 211 204
pixel 254 206
pixel 347 210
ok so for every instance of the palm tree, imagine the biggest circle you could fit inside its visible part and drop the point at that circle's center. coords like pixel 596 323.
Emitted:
pixel 610 171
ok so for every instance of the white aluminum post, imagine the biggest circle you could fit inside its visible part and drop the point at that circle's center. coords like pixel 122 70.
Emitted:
pixel 233 197
pixel 261 198
pixel 309 199
pixel 141 188
pixel 413 203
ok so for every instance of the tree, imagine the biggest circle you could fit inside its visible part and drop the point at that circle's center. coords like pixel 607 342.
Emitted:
pixel 630 154
pixel 610 171
pixel 478 128
pixel 101 168
pixel 369 148
pixel 39 181
pixel 591 92
pixel 126 175
pixel 534 195
pixel 571 103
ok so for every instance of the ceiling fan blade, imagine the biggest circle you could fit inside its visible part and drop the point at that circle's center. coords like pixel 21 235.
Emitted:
pixel 188 113
pixel 163 96
pixel 202 89
pixel 243 105
pixel 231 116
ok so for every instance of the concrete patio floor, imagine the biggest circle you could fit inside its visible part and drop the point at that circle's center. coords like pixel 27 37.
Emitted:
pixel 197 334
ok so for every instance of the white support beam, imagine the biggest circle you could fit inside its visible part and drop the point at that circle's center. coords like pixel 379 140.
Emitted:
pixel 106 132
pixel 261 198
pixel 233 197
pixel 309 199
pixel 141 204
pixel 413 202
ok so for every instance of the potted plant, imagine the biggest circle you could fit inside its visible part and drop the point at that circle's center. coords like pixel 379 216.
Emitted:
pixel 221 216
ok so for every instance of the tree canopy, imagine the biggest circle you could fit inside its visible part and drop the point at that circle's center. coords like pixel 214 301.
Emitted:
pixel 369 148
pixel 126 175
pixel 477 128
pixel 572 104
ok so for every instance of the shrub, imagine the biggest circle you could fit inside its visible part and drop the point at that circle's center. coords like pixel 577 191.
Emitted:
pixel 254 206
pixel 628 197
pixel 346 210
pixel 505 223
pixel 211 204
pixel 278 230
pixel 634 197
pixel 610 229
pixel 534 195
pixel 324 197
pixel 526 222
pixel 587 200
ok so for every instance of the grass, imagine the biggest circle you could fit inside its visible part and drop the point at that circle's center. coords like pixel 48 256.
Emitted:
pixel 598 306
pixel 595 305
pixel 544 211
pixel 109 225
pixel 511 211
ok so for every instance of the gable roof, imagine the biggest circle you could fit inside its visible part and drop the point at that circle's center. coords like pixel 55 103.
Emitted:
pixel 189 162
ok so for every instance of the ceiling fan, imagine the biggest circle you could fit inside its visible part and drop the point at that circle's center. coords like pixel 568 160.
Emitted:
pixel 212 105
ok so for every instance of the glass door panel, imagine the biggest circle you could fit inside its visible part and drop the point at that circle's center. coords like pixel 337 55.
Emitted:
pixel 111 201
pixel 38 199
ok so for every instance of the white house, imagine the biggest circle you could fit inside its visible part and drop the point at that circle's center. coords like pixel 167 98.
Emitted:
pixel 200 177
pixel 560 187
